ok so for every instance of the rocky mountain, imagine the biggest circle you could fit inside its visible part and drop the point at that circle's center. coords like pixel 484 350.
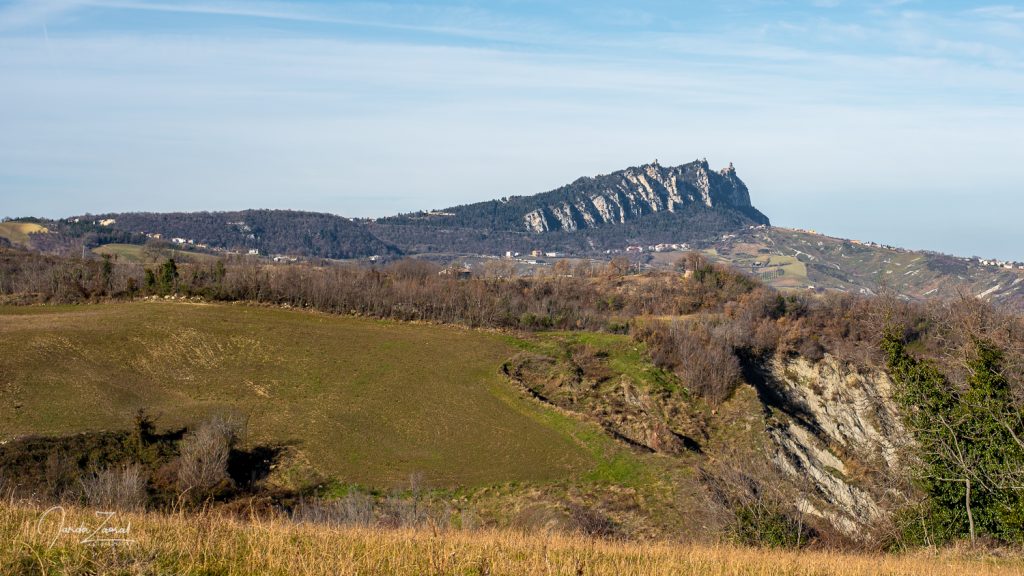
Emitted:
pixel 649 203
pixel 632 193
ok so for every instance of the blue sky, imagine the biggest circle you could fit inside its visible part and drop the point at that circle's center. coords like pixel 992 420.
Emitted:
pixel 895 121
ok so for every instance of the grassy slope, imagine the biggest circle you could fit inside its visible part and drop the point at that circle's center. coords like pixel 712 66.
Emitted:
pixel 17 232
pixel 146 255
pixel 130 252
pixel 208 544
pixel 366 401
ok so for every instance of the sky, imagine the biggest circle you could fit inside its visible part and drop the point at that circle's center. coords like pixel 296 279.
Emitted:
pixel 895 121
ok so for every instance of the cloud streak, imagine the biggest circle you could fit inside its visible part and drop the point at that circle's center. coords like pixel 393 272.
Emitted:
pixel 22 14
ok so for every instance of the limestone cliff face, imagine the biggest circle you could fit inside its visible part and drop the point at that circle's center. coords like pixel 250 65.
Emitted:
pixel 634 192
pixel 836 435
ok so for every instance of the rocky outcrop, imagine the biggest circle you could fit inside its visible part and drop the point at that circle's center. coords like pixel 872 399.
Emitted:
pixel 634 192
pixel 836 433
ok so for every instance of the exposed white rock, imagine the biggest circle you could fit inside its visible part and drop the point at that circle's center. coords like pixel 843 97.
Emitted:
pixel 804 458
pixel 536 222
pixel 604 208
pixel 674 197
pixel 989 291
pixel 618 205
pixel 853 409
pixel 584 211
pixel 563 214
pixel 842 413
pixel 645 191
pixel 631 193
pixel 703 184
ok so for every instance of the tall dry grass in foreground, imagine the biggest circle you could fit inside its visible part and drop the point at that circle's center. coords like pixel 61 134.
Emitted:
pixel 32 542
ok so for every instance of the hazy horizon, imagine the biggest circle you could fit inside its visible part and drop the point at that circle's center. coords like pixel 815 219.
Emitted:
pixel 893 121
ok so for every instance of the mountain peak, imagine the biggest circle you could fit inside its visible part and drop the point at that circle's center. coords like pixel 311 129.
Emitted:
pixel 635 192
pixel 646 203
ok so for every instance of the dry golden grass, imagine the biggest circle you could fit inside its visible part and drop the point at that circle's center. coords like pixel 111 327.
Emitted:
pixel 17 232
pixel 211 544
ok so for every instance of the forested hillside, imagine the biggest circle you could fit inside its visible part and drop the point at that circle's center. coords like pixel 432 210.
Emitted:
pixel 269 231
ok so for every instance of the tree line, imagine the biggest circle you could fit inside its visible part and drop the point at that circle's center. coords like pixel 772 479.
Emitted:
pixel 589 296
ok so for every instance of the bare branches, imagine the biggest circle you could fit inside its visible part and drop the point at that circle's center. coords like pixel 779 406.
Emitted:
pixel 203 464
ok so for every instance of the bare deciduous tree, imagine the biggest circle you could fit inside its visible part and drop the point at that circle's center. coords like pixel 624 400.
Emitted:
pixel 203 462
pixel 120 488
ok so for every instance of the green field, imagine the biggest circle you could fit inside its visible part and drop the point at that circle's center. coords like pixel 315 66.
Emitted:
pixel 130 252
pixel 793 271
pixel 17 232
pixel 364 401
pixel 146 255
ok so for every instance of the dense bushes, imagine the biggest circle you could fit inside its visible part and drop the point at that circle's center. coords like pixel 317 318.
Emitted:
pixel 705 363
pixel 969 443
pixel 120 487
pixel 709 348
pixel 588 298
pixel 134 469
pixel 768 527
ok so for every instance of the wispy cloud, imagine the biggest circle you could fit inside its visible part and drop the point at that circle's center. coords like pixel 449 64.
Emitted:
pixel 440 19
pixel 33 13
pixel 1000 11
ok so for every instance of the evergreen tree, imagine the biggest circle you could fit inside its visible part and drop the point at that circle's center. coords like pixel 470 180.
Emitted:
pixel 168 277
pixel 969 442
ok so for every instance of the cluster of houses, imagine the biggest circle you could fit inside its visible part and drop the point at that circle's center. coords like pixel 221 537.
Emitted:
pixel 869 244
pixel 666 247
pixel 535 254
pixel 533 257
pixel 808 231
pixel 103 222
pixel 190 242
pixel 457 270
pixel 1001 264
pixel 877 245
pixel 183 241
